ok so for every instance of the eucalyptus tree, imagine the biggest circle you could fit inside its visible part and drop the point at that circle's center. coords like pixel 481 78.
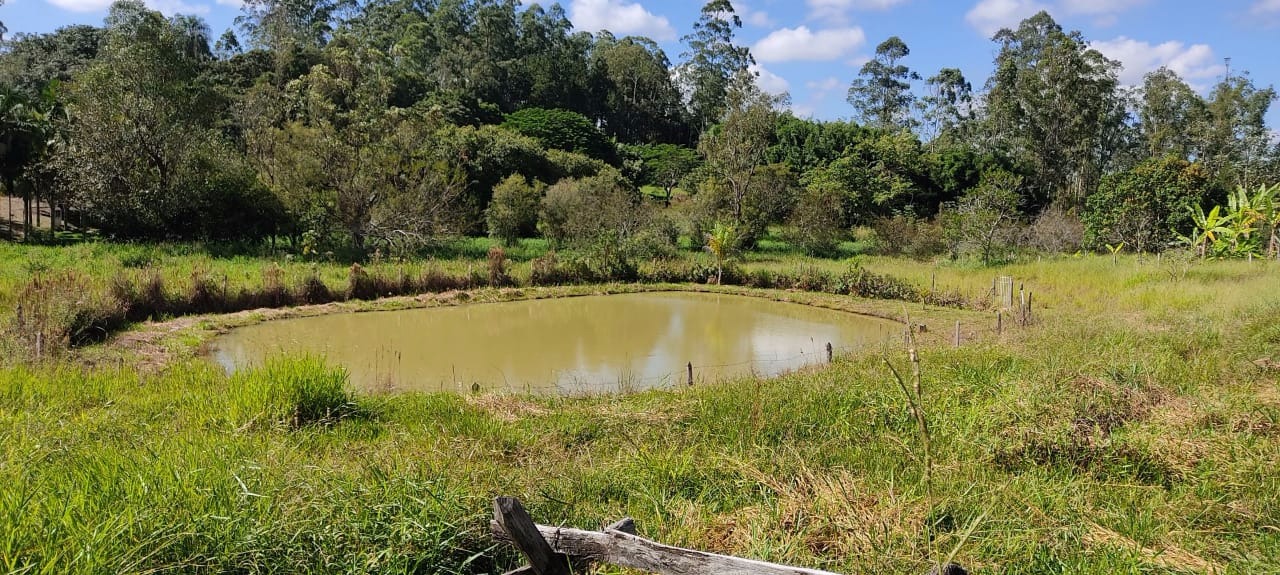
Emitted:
pixel 948 107
pixel 712 62
pixel 1053 103
pixel 640 102
pixel 1234 139
pixel 1170 114
pixel 553 61
pixel 882 92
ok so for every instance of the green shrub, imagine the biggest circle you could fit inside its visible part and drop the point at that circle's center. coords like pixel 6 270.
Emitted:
pixel 906 234
pixel 513 212
pixel 290 392
pixel 815 225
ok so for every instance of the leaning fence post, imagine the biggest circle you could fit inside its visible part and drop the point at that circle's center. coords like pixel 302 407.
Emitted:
pixel 513 518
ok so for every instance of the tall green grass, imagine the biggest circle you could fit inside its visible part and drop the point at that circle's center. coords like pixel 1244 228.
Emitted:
pixel 290 392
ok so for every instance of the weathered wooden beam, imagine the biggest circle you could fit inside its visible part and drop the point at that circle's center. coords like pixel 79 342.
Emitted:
pixel 520 530
pixel 625 525
pixel 617 547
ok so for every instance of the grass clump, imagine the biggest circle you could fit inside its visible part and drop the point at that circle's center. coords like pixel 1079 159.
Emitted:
pixel 290 392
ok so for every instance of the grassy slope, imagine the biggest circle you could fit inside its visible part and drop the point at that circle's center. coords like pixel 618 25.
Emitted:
pixel 1127 432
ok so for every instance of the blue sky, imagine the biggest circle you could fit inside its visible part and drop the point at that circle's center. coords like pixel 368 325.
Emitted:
pixel 813 48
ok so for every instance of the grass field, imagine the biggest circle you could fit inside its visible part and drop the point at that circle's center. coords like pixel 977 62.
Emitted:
pixel 1128 430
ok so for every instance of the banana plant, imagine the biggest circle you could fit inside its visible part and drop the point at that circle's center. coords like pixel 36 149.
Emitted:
pixel 1115 251
pixel 721 242
pixel 1211 229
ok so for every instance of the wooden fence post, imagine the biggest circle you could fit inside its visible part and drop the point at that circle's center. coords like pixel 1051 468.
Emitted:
pixel 691 374
pixel 513 518
pixel 957 333
pixel 999 323
pixel 830 352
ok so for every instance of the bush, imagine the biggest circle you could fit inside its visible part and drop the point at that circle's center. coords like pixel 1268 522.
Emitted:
pixel 359 284
pixel 905 234
pixel 290 392
pixel 1147 206
pixel 498 267
pixel 816 224
pixel 513 212
pixel 577 212
pixel 1056 231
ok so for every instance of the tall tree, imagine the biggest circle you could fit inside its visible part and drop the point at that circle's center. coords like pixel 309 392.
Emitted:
pixel 1235 138
pixel 948 106
pixel 553 61
pixel 1053 103
pixel 31 62
pixel 641 103
pixel 712 62
pixel 882 92
pixel 142 154
pixel 736 147
pixel 1169 115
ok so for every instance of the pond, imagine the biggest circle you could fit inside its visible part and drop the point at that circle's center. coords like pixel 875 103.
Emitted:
pixel 590 344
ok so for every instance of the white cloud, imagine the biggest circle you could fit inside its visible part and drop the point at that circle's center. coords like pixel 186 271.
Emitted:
pixel 1194 62
pixel 989 16
pixel 838 10
pixel 757 18
pixel 82 5
pixel 1097 7
pixel 770 82
pixel 803 111
pixel 801 43
pixel 1265 7
pixel 824 85
pixel 1266 12
pixel 167 7
pixel 620 17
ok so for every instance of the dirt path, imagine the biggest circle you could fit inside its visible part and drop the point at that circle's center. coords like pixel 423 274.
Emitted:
pixel 11 216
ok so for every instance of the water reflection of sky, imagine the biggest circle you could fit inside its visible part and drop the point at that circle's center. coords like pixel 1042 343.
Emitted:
pixel 596 343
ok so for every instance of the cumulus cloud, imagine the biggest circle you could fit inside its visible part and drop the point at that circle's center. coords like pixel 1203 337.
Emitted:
pixel 770 82
pixel 1193 62
pixel 620 17
pixel 758 18
pixel 801 43
pixel 989 16
pixel 1265 13
pixel 166 7
pixel 1098 6
pixel 1264 7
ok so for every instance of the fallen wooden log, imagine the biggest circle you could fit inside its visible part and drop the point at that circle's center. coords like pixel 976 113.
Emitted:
pixel 618 545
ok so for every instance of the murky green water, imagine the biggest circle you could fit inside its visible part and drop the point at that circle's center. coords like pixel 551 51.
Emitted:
pixel 570 345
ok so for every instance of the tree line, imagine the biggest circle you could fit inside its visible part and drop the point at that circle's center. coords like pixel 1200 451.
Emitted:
pixel 391 124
